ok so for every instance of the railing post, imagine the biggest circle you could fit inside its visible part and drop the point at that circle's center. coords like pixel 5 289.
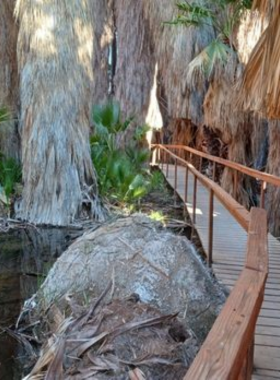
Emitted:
pixel 214 171
pixel 194 198
pixel 175 178
pixel 154 156
pixel 210 228
pixel 263 188
pixel 158 156
pixel 167 166
pixel 200 164
pixel 235 184
pixel 186 184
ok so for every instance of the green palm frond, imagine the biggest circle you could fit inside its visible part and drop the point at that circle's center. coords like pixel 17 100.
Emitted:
pixel 10 174
pixel 217 52
pixel 194 14
pixel 4 114
pixel 222 16
pixel 107 116
pixel 122 172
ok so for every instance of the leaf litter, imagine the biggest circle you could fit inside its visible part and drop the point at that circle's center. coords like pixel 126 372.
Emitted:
pixel 121 339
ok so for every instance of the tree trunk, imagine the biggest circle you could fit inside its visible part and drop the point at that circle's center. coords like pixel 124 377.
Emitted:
pixel 103 28
pixel 9 141
pixel 273 167
pixel 55 55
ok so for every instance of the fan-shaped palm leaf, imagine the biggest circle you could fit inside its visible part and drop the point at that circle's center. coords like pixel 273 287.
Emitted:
pixel 4 114
pixel 217 52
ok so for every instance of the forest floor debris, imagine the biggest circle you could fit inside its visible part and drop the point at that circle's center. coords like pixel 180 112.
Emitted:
pixel 122 339
pixel 153 273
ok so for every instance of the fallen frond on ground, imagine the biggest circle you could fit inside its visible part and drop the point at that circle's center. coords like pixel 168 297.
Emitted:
pixel 116 339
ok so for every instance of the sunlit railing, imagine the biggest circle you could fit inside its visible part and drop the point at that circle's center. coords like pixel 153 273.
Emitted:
pixel 227 353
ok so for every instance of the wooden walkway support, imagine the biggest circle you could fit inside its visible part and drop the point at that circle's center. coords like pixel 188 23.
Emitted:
pixel 222 225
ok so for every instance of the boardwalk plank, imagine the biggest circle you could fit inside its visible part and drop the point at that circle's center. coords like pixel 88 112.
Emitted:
pixel 229 250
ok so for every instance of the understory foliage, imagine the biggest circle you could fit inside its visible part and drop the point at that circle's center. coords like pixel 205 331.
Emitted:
pixel 4 115
pixel 10 175
pixel 222 17
pixel 10 170
pixel 123 172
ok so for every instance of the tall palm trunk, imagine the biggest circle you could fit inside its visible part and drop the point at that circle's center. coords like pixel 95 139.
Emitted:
pixel 9 142
pixel 273 167
pixel 55 49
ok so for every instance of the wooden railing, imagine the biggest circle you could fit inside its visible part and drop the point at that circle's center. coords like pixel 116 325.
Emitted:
pixel 227 353
pixel 237 169
pixel 238 211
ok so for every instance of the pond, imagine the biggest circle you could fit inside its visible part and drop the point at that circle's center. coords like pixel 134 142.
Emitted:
pixel 26 255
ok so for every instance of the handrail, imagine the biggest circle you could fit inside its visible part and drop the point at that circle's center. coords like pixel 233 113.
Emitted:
pixel 227 353
pixel 264 178
pixel 237 210
pixel 268 178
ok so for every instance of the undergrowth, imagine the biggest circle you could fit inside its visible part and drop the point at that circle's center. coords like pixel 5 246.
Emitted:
pixel 10 169
pixel 122 169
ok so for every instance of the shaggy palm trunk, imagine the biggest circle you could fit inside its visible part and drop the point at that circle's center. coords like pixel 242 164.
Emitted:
pixel 9 143
pixel 55 51
pixel 135 64
pixel 273 167
pixel 103 27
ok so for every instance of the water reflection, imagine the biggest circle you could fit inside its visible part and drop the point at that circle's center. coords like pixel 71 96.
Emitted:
pixel 25 258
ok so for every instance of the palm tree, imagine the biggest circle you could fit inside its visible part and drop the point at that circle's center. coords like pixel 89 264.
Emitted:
pixel 221 18
pixel 55 50
pixel 260 88
pixel 260 91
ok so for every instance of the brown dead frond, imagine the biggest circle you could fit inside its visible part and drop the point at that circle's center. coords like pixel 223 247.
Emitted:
pixel 122 337
pixel 262 5
pixel 260 87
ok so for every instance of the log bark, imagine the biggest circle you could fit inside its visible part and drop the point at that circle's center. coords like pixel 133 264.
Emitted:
pixel 55 55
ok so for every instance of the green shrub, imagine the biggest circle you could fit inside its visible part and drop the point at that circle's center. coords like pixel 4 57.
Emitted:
pixel 10 174
pixel 4 114
pixel 123 173
pixel 10 170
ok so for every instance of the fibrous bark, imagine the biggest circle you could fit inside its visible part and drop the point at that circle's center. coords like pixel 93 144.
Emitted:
pixel 103 29
pixel 152 59
pixel 175 47
pixel 135 63
pixel 9 142
pixel 55 53
pixel 273 167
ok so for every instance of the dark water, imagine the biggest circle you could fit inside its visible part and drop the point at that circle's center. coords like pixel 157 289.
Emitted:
pixel 26 255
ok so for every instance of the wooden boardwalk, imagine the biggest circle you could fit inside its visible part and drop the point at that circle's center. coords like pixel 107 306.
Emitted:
pixel 229 249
